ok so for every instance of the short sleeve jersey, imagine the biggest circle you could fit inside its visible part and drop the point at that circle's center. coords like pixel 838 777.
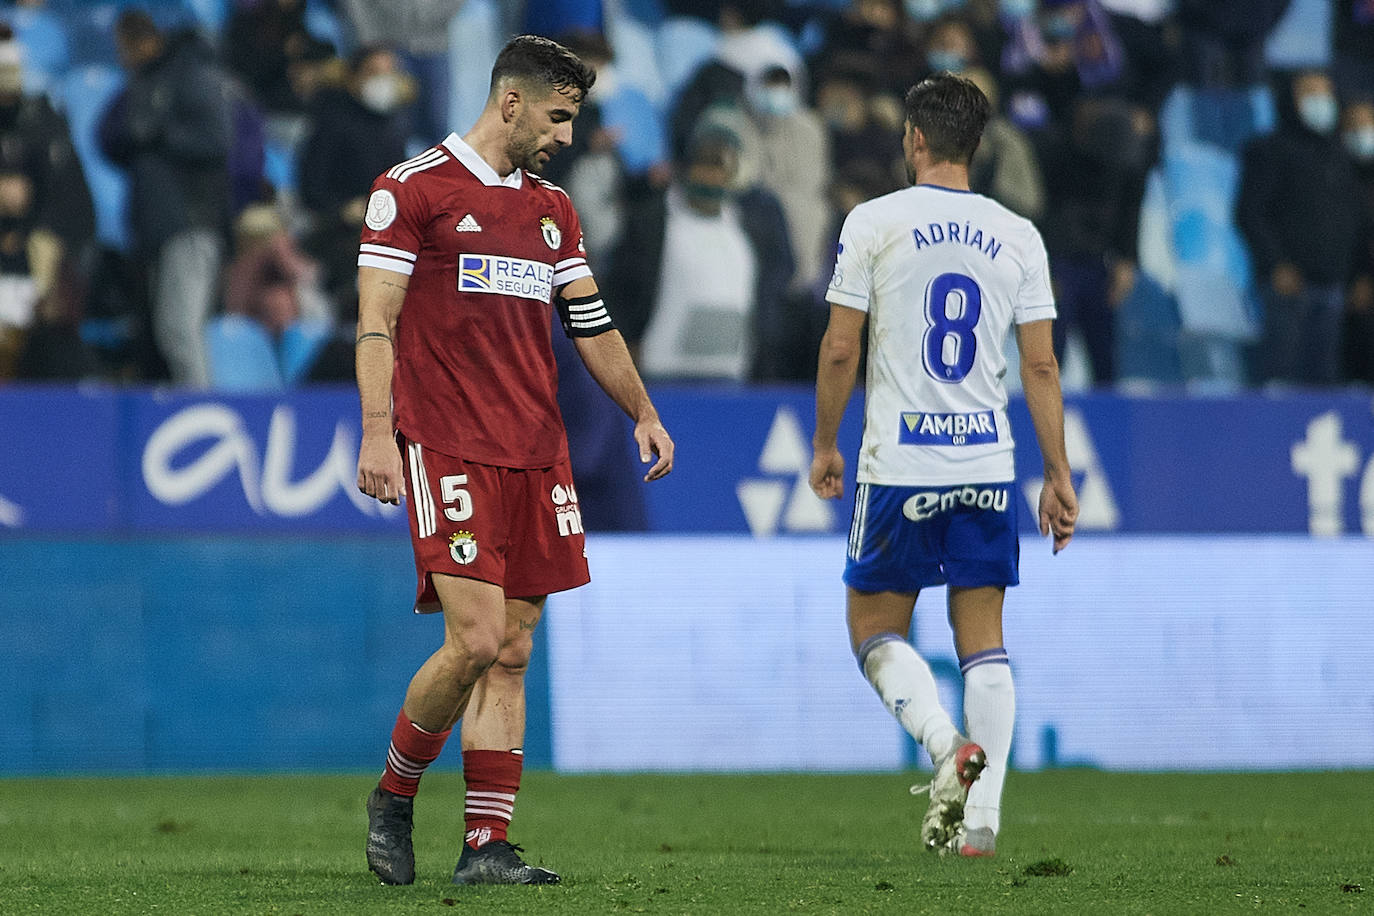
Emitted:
pixel 475 375
pixel 942 274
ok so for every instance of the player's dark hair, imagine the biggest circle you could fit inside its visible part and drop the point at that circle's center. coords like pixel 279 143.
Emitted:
pixel 530 58
pixel 951 112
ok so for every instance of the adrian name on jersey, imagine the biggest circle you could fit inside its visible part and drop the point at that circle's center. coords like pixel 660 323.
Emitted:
pixel 922 428
pixel 505 276
pixel 939 233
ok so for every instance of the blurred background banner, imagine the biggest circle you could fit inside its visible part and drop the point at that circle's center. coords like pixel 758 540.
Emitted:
pixel 192 582
pixel 140 461
pixel 686 652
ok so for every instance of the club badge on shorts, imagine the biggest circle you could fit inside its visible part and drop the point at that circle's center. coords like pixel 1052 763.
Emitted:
pixel 553 236
pixel 462 546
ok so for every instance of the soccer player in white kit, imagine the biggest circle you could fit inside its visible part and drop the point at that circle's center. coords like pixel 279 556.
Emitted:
pixel 940 274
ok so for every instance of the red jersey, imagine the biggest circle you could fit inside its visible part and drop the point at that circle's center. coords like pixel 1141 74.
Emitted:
pixel 475 375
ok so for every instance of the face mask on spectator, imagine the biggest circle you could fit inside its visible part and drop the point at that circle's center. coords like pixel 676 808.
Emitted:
pixel 1318 111
pixel 1359 141
pixel 1016 10
pixel 1059 28
pixel 381 93
pixel 775 101
pixel 940 59
pixel 923 10
pixel 706 199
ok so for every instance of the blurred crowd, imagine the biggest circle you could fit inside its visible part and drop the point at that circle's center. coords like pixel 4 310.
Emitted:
pixel 182 182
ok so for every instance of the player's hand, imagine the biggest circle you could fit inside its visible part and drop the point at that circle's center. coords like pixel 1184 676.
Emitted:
pixel 379 469
pixel 827 474
pixel 1058 511
pixel 653 440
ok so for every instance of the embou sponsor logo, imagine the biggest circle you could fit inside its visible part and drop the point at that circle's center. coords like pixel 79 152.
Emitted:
pixel 919 428
pixel 930 503
pixel 489 273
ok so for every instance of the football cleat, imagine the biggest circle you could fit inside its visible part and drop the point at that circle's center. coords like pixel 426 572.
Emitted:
pixel 978 843
pixel 389 823
pixel 948 791
pixel 498 862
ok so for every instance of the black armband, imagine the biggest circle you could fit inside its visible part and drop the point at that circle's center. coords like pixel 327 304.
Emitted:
pixel 584 316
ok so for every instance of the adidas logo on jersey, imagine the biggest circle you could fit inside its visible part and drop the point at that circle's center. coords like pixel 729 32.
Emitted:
pixel 468 224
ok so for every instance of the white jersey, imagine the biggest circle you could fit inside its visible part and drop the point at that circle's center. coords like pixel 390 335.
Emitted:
pixel 942 275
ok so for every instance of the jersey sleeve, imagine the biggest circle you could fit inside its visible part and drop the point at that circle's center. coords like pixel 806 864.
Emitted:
pixel 1034 298
pixel 572 252
pixel 391 226
pixel 851 283
pixel 581 316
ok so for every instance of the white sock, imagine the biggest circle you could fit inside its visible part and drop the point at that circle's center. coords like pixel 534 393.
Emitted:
pixel 907 688
pixel 989 713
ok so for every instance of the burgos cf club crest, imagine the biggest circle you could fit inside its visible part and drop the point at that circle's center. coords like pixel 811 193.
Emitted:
pixel 553 236
pixel 462 546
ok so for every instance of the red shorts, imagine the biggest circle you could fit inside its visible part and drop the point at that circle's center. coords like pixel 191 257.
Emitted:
pixel 518 528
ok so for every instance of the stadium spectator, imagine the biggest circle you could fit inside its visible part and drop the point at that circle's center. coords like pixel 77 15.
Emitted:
pixel 1151 48
pixel 357 131
pixel 863 124
pixel 950 45
pixel 701 272
pixel 752 39
pixel 934 506
pixel 1004 166
pixel 264 42
pixel 1300 212
pixel 477 419
pixel 1068 46
pixel 1352 60
pixel 46 221
pixel 171 130
pixel 635 127
pixel 1095 146
pixel 873 36
pixel 1223 40
pixel 47 47
pixel 270 279
pixel 418 30
pixel 1358 137
pixel 785 149
pixel 750 43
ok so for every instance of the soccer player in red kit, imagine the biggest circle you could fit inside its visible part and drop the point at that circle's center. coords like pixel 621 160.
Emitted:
pixel 465 255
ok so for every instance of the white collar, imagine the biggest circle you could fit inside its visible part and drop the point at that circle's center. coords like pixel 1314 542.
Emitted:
pixel 479 167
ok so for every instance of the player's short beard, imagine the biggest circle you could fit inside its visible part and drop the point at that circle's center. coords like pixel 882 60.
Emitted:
pixel 524 152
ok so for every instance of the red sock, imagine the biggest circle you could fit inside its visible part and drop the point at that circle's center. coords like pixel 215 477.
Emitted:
pixel 412 750
pixel 493 778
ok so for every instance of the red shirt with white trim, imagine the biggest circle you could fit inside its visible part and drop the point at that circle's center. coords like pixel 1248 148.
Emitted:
pixel 475 375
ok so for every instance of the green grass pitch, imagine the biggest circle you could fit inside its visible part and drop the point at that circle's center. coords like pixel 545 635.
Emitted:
pixel 1073 841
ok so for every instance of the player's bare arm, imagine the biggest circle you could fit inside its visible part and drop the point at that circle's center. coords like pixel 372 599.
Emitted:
pixel 1058 510
pixel 836 372
pixel 380 294
pixel 608 360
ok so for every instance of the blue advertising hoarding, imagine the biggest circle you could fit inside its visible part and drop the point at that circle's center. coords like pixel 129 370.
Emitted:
pixel 152 462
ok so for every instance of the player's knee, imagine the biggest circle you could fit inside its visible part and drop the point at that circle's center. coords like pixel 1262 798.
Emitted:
pixel 514 657
pixel 472 654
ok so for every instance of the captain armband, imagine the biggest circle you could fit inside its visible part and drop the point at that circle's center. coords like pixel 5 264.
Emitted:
pixel 584 316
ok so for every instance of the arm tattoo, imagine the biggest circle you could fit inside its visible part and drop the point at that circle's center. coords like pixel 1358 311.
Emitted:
pixel 377 414
pixel 377 334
